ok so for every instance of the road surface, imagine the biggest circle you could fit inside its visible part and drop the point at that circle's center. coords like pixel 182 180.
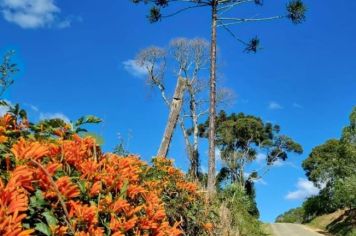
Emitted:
pixel 284 229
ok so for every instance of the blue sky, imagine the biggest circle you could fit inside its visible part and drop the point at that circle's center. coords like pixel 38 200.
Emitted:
pixel 72 55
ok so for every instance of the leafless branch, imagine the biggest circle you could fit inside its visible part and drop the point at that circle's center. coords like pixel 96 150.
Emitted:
pixel 234 21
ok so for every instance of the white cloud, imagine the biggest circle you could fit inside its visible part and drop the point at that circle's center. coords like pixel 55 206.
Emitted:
pixel 57 115
pixel 33 107
pixel 30 14
pixel 297 105
pixel 134 69
pixel 278 163
pixel 64 24
pixel 260 181
pixel 305 189
pixel 261 158
pixel 274 106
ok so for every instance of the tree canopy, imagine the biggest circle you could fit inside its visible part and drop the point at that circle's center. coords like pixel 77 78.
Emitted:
pixel 241 138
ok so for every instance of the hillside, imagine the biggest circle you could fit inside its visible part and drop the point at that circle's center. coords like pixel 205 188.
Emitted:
pixel 341 222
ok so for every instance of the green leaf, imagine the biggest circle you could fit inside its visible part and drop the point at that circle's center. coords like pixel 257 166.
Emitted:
pixel 50 218
pixel 87 120
pixel 26 225
pixel 123 190
pixel 37 201
pixel 81 185
pixel 43 228
pixel 3 103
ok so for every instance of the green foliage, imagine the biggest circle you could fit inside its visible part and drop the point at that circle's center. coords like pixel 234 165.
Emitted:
pixel 333 165
pixel 318 205
pixel 296 11
pixel 324 162
pixel 345 192
pixel 7 70
pixel 235 198
pixel 253 45
pixel 241 137
pixel 121 150
pixel 295 215
pixel 178 200
pixel 84 120
pixel 48 128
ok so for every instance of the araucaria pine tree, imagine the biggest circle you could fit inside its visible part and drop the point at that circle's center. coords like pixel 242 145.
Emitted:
pixel 221 17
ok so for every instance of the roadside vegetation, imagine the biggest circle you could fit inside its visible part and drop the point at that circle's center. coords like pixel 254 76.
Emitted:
pixel 331 167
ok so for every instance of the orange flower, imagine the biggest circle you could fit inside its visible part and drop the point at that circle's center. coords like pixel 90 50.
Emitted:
pixel 134 190
pixel 27 150
pixel 42 178
pixel 22 176
pixel 119 205
pixel 58 230
pixel 190 187
pixel 13 200
pixel 95 189
pixel 83 213
pixel 3 138
pixel 67 188
pixel 121 224
pixel 208 227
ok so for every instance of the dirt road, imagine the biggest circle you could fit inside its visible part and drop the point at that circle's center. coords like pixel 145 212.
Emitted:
pixel 283 229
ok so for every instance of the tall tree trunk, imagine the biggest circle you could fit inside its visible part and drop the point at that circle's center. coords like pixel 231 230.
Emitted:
pixel 212 110
pixel 175 108
pixel 194 161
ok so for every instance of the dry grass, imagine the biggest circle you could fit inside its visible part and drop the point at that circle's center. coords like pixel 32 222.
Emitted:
pixel 267 229
pixel 321 222
pixel 341 222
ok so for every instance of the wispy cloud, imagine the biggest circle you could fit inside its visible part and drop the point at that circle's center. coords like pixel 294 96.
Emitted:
pixel 31 14
pixel 274 106
pixel 56 115
pixel 32 107
pixel 261 158
pixel 134 69
pixel 297 105
pixel 305 189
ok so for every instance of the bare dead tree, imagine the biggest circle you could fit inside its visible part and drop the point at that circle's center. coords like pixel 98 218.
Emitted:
pixel 153 59
pixel 191 57
pixel 175 109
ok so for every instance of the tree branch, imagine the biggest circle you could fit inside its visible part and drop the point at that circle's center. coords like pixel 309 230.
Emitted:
pixel 227 8
pixel 234 21
pixel 233 35
pixel 184 9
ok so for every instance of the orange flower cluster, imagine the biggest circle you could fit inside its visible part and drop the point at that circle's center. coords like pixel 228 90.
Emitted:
pixel 85 192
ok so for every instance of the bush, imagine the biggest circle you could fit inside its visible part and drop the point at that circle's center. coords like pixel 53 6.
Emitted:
pixel 239 206
pixel 295 215
pixel 54 182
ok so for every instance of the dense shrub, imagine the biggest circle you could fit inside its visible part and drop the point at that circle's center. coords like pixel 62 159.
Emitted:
pixel 239 206
pixel 295 215
pixel 54 182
